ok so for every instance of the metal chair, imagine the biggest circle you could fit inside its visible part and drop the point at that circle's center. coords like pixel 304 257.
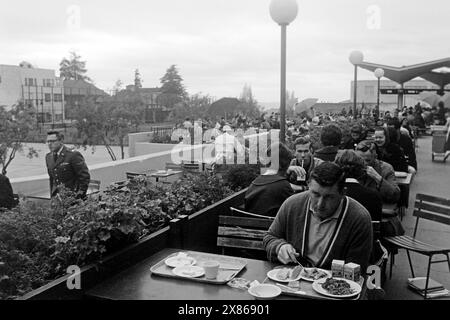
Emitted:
pixel 430 208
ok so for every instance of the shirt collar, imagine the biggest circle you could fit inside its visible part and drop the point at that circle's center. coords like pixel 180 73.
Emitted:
pixel 335 215
pixel 60 150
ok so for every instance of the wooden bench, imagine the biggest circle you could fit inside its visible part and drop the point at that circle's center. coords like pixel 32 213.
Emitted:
pixel 242 232
pixel 430 208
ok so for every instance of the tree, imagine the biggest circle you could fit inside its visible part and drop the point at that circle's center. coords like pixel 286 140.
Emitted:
pixel 172 89
pixel 248 105
pixel 137 79
pixel 109 121
pixel 194 106
pixel 15 126
pixel 73 68
pixel 291 100
pixel 117 86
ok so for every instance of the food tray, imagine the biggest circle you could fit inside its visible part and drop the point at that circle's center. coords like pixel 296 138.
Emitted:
pixel 229 268
pixel 309 292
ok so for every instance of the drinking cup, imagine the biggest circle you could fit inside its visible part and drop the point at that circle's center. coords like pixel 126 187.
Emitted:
pixel 211 269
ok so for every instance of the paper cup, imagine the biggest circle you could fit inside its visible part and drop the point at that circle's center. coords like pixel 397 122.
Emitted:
pixel 211 269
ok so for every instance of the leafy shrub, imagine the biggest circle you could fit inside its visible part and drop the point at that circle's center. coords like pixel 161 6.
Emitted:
pixel 240 176
pixel 37 243
pixel 162 139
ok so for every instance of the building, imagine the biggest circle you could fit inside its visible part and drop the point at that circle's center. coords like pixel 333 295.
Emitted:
pixel 33 86
pixel 367 93
pixel 77 90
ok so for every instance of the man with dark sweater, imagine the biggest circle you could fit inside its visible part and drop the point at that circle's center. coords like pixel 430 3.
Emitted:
pixel 267 192
pixel 6 193
pixel 321 225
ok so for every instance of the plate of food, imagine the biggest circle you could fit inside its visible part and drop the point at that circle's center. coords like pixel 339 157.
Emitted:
pixel 179 260
pixel 313 274
pixel 189 271
pixel 336 287
pixel 285 274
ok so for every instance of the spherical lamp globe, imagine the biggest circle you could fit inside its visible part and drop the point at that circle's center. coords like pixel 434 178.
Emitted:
pixel 379 73
pixel 356 57
pixel 283 12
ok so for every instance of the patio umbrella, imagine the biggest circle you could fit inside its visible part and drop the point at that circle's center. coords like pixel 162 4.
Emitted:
pixel 305 105
pixel 433 99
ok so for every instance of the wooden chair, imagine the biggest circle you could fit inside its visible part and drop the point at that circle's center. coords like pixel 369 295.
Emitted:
pixel 429 208
pixel 240 212
pixel 242 232
pixel 191 167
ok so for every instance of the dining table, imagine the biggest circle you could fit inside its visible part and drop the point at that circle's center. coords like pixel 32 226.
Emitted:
pixel 140 283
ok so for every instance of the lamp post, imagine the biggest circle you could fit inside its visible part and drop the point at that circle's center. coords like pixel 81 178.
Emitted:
pixel 356 58
pixel 399 88
pixel 379 73
pixel 283 12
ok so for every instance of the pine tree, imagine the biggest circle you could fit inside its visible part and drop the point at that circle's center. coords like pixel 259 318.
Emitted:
pixel 172 88
pixel 73 68
pixel 137 79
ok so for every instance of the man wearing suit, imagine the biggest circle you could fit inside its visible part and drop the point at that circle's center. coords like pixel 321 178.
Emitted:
pixel 66 167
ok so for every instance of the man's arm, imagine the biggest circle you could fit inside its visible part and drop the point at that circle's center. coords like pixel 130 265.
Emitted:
pixel 81 171
pixel 361 242
pixel 388 186
pixel 274 238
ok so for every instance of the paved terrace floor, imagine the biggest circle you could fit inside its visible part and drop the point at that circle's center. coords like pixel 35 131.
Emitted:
pixel 433 178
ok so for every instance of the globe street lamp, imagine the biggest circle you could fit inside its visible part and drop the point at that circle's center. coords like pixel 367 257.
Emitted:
pixel 283 12
pixel 356 58
pixel 379 73
pixel 399 88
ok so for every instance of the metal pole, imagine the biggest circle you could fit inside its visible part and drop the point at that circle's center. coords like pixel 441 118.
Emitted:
pixel 377 111
pixel 355 85
pixel 283 85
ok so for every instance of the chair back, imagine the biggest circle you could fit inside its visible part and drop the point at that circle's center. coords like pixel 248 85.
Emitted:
pixel 239 212
pixel 173 166
pixel 431 208
pixel 191 167
pixel 242 232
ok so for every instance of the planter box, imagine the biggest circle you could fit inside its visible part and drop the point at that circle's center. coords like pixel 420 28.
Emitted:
pixel 196 232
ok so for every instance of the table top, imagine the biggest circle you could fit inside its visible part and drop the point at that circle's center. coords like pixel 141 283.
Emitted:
pixel 165 174
pixel 138 283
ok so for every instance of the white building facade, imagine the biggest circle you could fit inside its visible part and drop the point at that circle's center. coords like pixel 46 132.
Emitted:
pixel 33 86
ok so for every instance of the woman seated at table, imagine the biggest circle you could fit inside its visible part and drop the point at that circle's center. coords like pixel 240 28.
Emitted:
pixel 388 151
pixel 269 190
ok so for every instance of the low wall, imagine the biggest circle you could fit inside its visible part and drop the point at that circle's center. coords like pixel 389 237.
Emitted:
pixel 134 138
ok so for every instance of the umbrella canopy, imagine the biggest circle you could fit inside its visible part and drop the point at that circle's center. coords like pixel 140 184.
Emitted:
pixel 433 99
pixel 305 105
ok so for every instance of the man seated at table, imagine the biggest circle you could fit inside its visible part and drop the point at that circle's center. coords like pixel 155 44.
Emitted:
pixel 267 192
pixel 380 175
pixel 303 164
pixel 321 225
pixel 330 137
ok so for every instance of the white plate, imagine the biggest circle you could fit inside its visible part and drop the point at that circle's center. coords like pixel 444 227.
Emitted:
pixel 178 261
pixel 401 174
pixel 304 277
pixel 272 274
pixel 317 286
pixel 265 291
pixel 189 271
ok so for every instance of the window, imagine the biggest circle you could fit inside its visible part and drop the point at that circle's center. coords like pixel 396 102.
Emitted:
pixel 30 82
pixel 57 97
pixel 48 97
pixel 47 82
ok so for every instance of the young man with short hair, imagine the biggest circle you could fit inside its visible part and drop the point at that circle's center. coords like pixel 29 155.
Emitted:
pixel 330 137
pixel 321 225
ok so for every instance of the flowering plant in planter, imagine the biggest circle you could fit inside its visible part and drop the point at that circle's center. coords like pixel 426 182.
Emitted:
pixel 38 243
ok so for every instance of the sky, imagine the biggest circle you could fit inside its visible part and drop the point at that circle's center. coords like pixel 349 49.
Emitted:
pixel 221 45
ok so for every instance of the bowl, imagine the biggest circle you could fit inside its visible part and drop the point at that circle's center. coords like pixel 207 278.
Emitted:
pixel 265 291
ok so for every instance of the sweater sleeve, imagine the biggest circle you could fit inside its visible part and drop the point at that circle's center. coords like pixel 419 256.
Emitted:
pixel 389 189
pixel 361 241
pixel 275 236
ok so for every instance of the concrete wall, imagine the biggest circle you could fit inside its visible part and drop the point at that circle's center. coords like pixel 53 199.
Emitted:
pixel 135 138
pixel 143 148
pixel 107 173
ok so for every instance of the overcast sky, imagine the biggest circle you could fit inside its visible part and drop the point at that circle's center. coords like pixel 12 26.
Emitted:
pixel 219 45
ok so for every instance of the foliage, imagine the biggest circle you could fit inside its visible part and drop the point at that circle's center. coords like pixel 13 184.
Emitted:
pixel 162 139
pixel 137 79
pixel 248 104
pixel 193 107
pixel 240 176
pixel 38 243
pixel 73 68
pixel 15 126
pixel 173 91
pixel 108 121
